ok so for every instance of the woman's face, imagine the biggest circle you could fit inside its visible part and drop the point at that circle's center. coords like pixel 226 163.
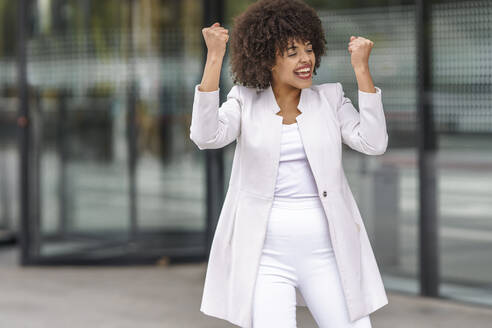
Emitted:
pixel 295 67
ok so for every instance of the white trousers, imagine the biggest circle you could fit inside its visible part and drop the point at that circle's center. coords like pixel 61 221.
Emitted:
pixel 297 253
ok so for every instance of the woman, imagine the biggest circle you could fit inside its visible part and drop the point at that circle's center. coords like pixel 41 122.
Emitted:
pixel 289 232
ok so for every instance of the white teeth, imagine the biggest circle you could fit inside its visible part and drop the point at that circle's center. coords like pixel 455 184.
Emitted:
pixel 303 70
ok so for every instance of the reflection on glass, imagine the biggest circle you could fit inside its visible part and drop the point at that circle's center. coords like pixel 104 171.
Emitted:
pixel 462 100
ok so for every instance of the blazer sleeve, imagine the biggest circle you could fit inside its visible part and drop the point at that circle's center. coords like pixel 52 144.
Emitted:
pixel 212 126
pixel 363 131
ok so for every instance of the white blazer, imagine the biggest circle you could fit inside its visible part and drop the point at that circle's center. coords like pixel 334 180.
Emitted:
pixel 327 119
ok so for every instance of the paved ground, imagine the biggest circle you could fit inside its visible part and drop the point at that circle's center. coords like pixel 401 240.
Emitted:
pixel 167 296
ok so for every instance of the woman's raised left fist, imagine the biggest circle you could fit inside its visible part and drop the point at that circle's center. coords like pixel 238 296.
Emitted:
pixel 359 49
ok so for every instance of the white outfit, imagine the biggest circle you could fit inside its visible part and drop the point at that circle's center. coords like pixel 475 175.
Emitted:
pixel 327 119
pixel 297 252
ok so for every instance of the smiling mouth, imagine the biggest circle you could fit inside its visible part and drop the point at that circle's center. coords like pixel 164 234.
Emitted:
pixel 303 75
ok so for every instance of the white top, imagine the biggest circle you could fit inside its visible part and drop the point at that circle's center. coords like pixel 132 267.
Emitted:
pixel 294 178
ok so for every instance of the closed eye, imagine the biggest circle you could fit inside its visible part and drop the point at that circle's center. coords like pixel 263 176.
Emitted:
pixel 310 50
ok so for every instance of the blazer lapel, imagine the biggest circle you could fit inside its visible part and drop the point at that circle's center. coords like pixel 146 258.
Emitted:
pixel 318 136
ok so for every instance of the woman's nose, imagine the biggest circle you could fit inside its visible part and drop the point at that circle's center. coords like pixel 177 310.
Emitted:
pixel 305 57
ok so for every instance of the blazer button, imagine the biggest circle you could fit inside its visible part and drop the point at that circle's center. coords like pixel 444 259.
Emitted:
pixel 324 193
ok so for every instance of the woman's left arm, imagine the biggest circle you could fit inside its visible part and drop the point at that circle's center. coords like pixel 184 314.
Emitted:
pixel 364 131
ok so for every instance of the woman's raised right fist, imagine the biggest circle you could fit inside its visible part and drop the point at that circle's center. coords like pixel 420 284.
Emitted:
pixel 216 38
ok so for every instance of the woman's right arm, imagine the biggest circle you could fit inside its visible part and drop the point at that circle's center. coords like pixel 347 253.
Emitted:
pixel 213 126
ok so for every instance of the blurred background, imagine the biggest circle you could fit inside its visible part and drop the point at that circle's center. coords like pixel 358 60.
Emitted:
pixel 97 167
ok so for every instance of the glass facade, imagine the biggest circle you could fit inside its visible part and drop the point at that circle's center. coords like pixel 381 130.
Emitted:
pixel 462 74
pixel 114 175
pixel 113 171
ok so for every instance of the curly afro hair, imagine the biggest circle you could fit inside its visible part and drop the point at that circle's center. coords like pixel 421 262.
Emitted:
pixel 265 28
